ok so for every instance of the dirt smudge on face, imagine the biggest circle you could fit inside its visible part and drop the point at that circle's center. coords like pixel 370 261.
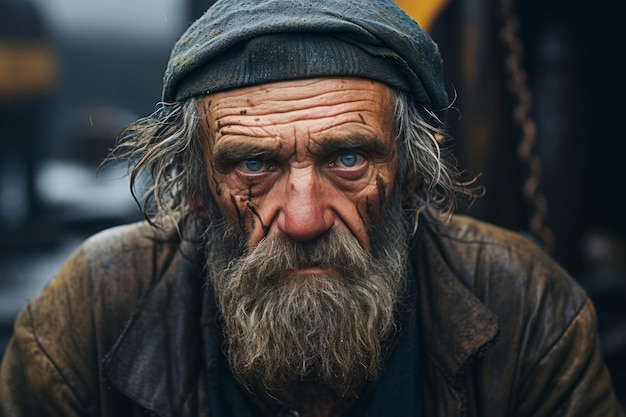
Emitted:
pixel 256 214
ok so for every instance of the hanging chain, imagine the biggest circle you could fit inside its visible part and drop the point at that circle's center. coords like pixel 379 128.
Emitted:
pixel 521 116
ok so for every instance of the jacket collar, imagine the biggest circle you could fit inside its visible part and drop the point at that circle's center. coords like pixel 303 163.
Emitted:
pixel 456 326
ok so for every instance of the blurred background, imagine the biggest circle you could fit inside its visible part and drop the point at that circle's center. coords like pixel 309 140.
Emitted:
pixel 538 98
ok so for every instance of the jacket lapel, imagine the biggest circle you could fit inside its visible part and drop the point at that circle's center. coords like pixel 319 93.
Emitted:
pixel 456 326
pixel 156 360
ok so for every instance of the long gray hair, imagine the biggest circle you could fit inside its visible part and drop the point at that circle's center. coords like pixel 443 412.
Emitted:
pixel 169 178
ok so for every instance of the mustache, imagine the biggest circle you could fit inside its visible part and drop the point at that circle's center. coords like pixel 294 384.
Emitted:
pixel 274 257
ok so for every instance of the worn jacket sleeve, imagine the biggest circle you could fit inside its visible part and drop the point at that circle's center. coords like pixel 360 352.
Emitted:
pixel 571 378
pixel 43 369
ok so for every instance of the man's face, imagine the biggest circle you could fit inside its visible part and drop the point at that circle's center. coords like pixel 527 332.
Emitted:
pixel 303 172
pixel 301 157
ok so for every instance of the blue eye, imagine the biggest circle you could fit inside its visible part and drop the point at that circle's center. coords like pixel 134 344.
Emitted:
pixel 349 159
pixel 253 164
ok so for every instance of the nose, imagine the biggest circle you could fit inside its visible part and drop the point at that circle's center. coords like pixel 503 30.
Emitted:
pixel 305 213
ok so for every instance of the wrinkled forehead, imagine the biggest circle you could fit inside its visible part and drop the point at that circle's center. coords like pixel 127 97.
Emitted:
pixel 329 110
pixel 298 95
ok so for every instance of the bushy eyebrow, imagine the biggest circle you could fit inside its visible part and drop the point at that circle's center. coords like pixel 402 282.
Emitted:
pixel 370 145
pixel 229 154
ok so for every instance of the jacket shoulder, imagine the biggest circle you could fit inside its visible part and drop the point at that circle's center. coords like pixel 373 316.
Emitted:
pixel 121 241
pixel 512 275
pixel 62 335
pixel 534 299
pixel 486 256
pixel 546 355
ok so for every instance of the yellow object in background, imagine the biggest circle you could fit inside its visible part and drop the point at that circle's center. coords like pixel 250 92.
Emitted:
pixel 26 68
pixel 423 12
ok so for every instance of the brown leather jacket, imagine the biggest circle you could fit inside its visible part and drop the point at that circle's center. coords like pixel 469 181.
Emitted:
pixel 504 331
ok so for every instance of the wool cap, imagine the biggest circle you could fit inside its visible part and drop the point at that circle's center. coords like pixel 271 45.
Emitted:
pixel 239 43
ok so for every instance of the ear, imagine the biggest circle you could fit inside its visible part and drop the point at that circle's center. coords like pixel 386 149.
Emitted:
pixel 411 182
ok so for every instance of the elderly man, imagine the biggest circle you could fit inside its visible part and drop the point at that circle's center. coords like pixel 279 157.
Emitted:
pixel 299 255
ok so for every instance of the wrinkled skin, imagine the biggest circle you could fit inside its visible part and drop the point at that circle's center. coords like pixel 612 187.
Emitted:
pixel 301 156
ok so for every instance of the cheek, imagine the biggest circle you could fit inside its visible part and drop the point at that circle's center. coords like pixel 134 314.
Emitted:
pixel 235 203
pixel 372 205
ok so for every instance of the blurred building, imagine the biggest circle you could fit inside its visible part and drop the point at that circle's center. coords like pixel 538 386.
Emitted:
pixel 538 91
pixel 27 76
pixel 72 74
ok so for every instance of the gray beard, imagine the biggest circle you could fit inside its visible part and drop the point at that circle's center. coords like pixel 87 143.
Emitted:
pixel 281 329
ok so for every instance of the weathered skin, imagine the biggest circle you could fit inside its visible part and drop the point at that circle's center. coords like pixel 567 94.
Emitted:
pixel 303 131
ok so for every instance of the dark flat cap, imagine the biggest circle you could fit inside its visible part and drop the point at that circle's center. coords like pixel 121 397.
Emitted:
pixel 239 43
